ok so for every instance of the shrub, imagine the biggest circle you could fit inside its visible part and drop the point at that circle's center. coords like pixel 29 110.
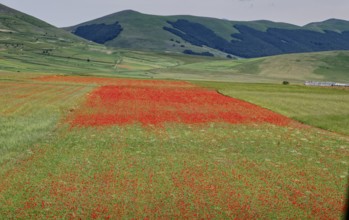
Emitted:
pixel 190 52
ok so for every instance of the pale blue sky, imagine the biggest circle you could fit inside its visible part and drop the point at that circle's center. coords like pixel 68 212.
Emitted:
pixel 63 13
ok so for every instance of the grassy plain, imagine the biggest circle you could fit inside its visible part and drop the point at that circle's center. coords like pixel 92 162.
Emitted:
pixel 326 108
pixel 210 170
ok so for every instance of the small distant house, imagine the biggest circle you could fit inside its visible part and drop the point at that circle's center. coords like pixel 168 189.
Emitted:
pixel 327 84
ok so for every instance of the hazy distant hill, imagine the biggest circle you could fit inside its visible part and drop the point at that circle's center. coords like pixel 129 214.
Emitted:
pixel 210 36
pixel 330 25
pixel 24 35
pixel 300 67
pixel 30 44
pixel 22 25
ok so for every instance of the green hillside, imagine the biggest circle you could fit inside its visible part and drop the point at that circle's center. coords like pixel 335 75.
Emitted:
pixel 142 31
pixel 329 25
pixel 17 25
pixel 295 68
pixel 30 45
pixel 146 32
pixel 194 35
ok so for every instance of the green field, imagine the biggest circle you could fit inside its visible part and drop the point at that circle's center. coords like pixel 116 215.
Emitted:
pixel 326 108
pixel 52 170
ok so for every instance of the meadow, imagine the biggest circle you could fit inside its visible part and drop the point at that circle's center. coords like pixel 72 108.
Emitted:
pixel 325 108
pixel 156 160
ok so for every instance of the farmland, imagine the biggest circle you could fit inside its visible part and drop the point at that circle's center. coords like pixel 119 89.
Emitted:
pixel 93 132
pixel 154 159
pixel 326 108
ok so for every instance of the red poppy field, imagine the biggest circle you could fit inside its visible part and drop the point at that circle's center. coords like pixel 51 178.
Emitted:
pixel 117 105
pixel 147 149
pixel 150 102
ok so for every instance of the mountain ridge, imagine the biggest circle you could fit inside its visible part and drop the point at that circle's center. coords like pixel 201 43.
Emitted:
pixel 182 33
pixel 14 21
pixel 131 11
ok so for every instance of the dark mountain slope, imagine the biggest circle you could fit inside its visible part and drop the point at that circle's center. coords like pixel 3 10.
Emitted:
pixel 201 35
pixel 274 41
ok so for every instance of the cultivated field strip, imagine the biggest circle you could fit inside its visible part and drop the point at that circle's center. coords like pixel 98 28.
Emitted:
pixel 22 98
pixel 326 108
pixel 29 112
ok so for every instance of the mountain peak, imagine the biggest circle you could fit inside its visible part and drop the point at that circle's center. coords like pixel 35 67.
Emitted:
pixel 127 12
pixel 331 24
pixel 332 20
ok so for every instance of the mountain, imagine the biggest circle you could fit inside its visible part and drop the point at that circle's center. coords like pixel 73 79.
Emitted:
pixel 22 34
pixel 21 25
pixel 211 36
pixel 30 45
pixel 335 25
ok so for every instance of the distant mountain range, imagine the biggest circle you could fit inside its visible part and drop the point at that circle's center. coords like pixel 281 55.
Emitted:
pixel 211 36
pixel 30 45
pixel 181 34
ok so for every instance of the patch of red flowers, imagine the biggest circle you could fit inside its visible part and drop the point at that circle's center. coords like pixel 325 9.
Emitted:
pixel 150 105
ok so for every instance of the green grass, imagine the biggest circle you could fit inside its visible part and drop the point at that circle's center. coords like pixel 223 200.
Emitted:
pixel 335 67
pixel 179 171
pixel 326 108
pixel 30 113
pixel 83 59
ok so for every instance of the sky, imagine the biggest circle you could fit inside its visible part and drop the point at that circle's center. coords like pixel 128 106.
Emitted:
pixel 63 13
